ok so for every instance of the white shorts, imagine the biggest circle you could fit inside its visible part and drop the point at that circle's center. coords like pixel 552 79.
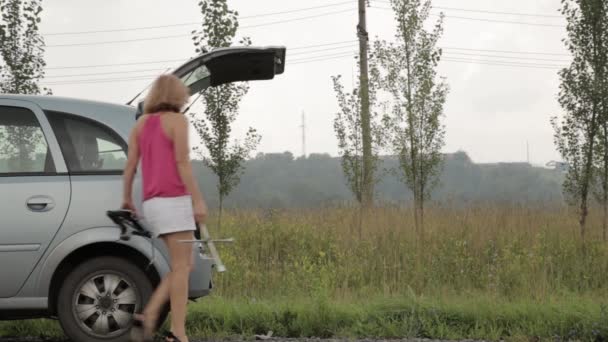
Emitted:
pixel 164 215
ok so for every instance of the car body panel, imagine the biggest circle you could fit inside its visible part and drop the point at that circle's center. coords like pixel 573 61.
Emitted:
pixel 84 198
pixel 92 195
pixel 27 233
pixel 90 237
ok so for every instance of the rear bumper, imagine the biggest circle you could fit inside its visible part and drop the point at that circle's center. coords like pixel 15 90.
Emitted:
pixel 200 278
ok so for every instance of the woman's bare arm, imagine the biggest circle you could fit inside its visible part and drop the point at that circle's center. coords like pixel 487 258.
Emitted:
pixel 184 166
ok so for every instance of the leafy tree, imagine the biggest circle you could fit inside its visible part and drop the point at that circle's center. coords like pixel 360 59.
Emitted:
pixel 21 68
pixel 410 78
pixel 221 104
pixel 21 47
pixel 582 96
pixel 601 159
pixel 349 132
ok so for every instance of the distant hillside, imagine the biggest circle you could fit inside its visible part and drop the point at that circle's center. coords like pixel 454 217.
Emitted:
pixel 279 180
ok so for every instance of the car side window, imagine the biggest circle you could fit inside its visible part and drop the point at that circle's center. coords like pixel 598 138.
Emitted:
pixel 23 147
pixel 88 146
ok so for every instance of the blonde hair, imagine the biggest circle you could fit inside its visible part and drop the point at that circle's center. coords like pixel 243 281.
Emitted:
pixel 168 93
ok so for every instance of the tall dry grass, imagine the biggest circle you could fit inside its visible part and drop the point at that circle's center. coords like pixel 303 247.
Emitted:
pixel 507 251
pixel 480 271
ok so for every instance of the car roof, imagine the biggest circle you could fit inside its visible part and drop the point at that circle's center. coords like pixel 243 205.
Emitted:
pixel 52 102
pixel 119 117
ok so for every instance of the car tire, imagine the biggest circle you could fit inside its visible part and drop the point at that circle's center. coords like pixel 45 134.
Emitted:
pixel 98 298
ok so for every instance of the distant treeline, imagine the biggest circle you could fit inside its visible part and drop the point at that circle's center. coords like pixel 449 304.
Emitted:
pixel 279 180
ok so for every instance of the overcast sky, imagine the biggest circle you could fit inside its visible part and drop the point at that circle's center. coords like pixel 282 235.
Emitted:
pixel 491 111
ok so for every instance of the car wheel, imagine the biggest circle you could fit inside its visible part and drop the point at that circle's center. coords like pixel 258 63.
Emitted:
pixel 99 297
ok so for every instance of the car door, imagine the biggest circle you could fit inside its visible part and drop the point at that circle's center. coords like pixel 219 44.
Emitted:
pixel 95 156
pixel 34 191
pixel 232 64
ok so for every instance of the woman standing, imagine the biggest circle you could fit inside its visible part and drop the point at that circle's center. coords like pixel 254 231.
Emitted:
pixel 172 199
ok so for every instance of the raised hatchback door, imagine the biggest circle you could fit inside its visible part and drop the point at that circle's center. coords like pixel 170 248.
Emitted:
pixel 34 191
pixel 232 64
pixel 226 65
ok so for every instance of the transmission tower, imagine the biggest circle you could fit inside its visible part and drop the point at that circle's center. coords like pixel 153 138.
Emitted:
pixel 303 127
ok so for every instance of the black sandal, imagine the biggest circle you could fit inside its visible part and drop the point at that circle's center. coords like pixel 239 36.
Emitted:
pixel 170 337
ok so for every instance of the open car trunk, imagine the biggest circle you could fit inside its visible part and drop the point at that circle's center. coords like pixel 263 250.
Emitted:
pixel 231 64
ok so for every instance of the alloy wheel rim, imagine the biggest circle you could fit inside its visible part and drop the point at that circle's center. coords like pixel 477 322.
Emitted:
pixel 104 304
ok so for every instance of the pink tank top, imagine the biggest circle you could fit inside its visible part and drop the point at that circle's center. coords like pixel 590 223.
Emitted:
pixel 158 166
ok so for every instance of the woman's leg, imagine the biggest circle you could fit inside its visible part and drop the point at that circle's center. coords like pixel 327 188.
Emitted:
pixel 181 265
pixel 159 297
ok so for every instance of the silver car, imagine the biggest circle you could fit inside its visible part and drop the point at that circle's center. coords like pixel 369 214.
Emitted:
pixel 61 163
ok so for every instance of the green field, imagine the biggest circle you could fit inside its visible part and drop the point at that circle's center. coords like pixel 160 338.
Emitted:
pixel 508 272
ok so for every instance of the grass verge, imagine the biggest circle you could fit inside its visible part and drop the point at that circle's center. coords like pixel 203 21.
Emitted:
pixel 453 318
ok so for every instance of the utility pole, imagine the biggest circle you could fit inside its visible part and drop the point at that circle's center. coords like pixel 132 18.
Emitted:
pixel 303 134
pixel 368 183
pixel 528 152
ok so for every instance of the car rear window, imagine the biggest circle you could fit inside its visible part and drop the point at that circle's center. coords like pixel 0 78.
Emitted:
pixel 88 146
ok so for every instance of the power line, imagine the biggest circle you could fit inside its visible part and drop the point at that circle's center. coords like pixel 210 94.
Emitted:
pixel 337 46
pixel 502 63
pixel 148 77
pixel 118 41
pixel 488 12
pixel 323 50
pixel 296 10
pixel 348 53
pixel 506 57
pixel 310 58
pixel 185 59
pixel 507 51
pixel 306 57
pixel 319 45
pixel 146 70
pixel 298 19
pixel 503 13
pixel 188 35
pixel 102 80
pixel 137 77
pixel 487 20
pixel 447 58
pixel 192 23
pixel 115 64
pixel 326 58
pixel 504 21
pixel 119 30
pixel 101 73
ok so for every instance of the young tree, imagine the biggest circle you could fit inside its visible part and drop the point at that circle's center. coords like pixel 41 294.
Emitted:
pixel 21 47
pixel 600 182
pixel 221 104
pixel 365 121
pixel 582 96
pixel 349 132
pixel 601 159
pixel 418 97
pixel 21 68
